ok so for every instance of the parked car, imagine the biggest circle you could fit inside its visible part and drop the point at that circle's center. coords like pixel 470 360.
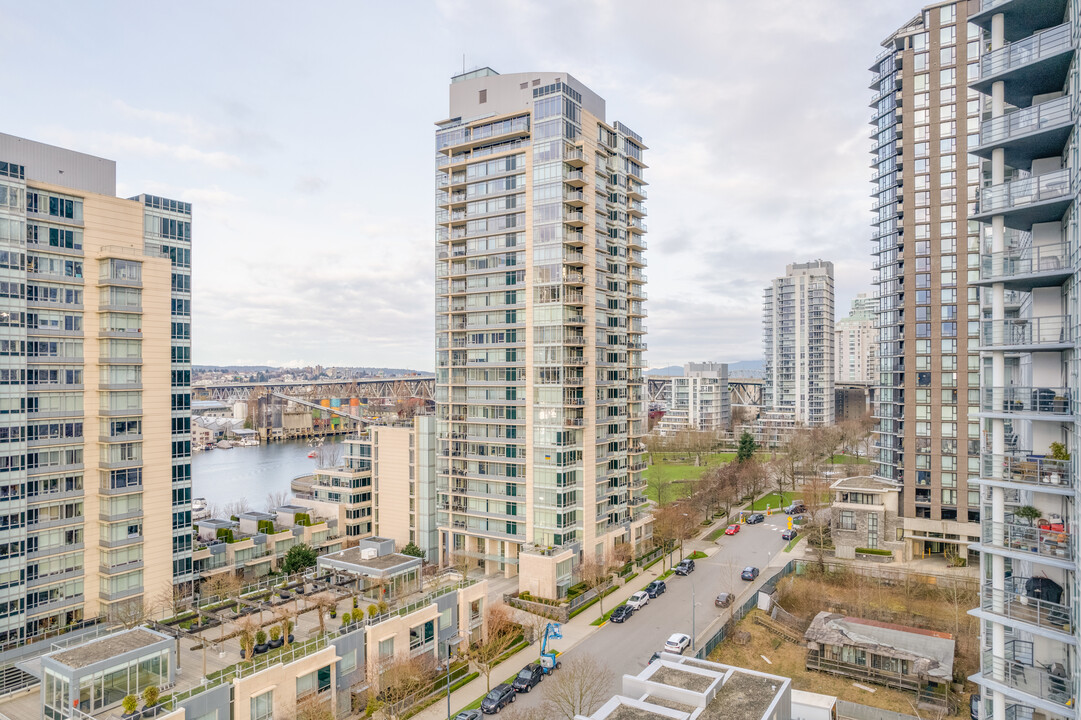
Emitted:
pixel 685 567
pixel 731 530
pixel 796 508
pixel 621 613
pixel 468 715
pixel 789 534
pixel 749 573
pixel 755 518
pixel 655 588
pixel 639 600
pixel 723 600
pixel 677 643
pixel 528 676
pixel 497 699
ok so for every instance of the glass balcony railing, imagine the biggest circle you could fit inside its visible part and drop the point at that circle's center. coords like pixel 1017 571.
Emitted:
pixel 1021 332
pixel 1041 188
pixel 1024 52
pixel 1026 400
pixel 1027 539
pixel 1031 260
pixel 1028 469
pixel 1026 122
pixel 1036 682
pixel 1023 607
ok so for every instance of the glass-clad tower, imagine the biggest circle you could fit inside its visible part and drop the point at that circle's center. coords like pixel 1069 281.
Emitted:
pixel 1028 275
pixel 539 328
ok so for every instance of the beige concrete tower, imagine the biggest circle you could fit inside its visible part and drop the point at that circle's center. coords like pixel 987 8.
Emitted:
pixel 539 386
pixel 91 397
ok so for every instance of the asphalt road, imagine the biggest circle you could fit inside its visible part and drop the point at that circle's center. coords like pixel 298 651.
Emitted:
pixel 626 647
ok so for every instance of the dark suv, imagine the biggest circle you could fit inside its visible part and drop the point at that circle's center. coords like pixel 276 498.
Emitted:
pixel 796 508
pixel 655 588
pixel 685 567
pixel 528 676
pixel 497 699
pixel 755 518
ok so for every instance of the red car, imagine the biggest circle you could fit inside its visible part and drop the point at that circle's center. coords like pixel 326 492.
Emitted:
pixel 731 530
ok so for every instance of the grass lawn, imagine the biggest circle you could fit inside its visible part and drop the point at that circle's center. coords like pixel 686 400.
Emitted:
pixel 697 555
pixel 849 460
pixel 712 537
pixel 680 472
pixel 775 501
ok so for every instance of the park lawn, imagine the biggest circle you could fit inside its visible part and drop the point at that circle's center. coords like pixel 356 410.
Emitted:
pixel 775 501
pixel 681 476
pixel 849 460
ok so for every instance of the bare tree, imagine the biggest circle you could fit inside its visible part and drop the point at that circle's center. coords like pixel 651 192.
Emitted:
pixel 596 574
pixel 654 443
pixel 237 507
pixel 130 613
pixel 622 553
pixel 312 707
pixel 329 454
pixel 816 498
pixel 789 465
pixel 283 616
pixel 323 603
pixel 662 487
pixel 213 510
pixel 501 633
pixel 461 563
pixel 665 528
pixel 401 678
pixel 171 600
pixel 753 477
pixel 275 500
pixel 580 687
pixel 246 631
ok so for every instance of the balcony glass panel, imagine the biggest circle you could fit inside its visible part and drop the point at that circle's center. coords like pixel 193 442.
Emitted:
pixel 1029 539
pixel 1041 400
pixel 1023 52
pixel 1027 121
pixel 1050 330
pixel 1037 682
pixel 1028 191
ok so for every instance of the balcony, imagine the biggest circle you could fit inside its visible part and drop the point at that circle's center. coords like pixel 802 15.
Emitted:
pixel 1043 688
pixel 1032 334
pixel 1037 199
pixel 1027 268
pixel 1037 131
pixel 1026 607
pixel 1021 468
pixel 1031 401
pixel 1031 66
pixel 1023 17
pixel 1027 540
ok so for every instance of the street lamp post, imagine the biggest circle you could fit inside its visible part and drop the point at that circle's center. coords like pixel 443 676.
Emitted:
pixel 694 633
pixel 450 642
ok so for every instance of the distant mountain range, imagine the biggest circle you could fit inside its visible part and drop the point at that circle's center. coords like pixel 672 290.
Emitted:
pixel 743 368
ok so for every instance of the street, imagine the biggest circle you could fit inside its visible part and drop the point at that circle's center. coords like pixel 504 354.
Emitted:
pixel 625 648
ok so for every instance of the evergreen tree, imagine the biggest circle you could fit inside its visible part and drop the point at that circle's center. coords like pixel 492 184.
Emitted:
pixel 747 447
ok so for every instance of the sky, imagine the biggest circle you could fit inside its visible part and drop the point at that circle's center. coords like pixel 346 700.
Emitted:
pixel 303 135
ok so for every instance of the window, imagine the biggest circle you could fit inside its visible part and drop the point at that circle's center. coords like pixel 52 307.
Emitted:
pixel 262 706
pixel 386 649
pixel 848 520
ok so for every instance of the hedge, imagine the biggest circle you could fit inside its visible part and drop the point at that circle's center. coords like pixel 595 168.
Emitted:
pixel 874 551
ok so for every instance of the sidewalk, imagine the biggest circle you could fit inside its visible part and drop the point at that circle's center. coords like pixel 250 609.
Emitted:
pixel 574 632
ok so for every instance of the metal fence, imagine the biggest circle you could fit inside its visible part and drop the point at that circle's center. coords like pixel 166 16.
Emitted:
pixel 854 711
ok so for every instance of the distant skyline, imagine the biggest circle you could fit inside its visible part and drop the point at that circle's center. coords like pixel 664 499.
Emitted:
pixel 305 141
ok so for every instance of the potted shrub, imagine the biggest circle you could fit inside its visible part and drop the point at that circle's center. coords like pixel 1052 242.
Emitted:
pixel 290 633
pixel 151 694
pixel 334 611
pixel 345 624
pixel 129 704
pixel 356 602
pixel 383 607
pixel 276 637
pixel 1027 512
pixel 373 610
pixel 260 642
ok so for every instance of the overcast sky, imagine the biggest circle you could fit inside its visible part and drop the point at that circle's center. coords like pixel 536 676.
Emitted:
pixel 303 135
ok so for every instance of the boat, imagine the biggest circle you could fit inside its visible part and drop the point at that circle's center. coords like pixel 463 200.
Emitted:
pixel 312 454
pixel 199 509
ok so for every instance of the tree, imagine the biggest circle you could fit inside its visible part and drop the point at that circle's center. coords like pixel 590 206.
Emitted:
pixel 130 614
pixel 323 603
pixel 222 585
pixel 172 600
pixel 329 454
pixel 284 617
pixel 596 574
pixel 275 500
pixel 747 447
pixel 752 477
pixel 401 678
pixel 580 687
pixel 661 485
pixel 412 549
pixel 816 498
pixel 298 558
pixel 501 634
pixel 665 522
pixel 246 631
pixel 654 443
pixel 741 415
pixel 313 707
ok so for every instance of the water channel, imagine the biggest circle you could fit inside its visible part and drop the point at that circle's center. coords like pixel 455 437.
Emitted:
pixel 249 473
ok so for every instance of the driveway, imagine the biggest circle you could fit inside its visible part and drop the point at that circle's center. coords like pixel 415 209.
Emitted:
pixel 625 648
